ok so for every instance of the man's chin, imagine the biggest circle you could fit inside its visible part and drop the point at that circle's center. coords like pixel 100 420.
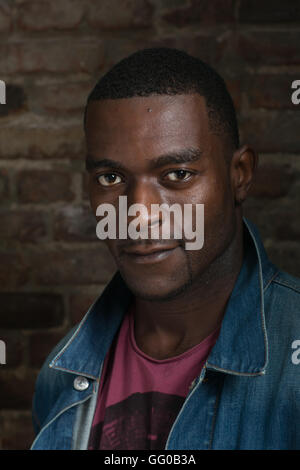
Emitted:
pixel 156 293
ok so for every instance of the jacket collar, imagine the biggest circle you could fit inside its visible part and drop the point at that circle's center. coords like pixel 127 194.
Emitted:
pixel 242 345
pixel 85 351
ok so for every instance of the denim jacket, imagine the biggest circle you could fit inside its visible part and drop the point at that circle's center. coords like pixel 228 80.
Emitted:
pixel 247 395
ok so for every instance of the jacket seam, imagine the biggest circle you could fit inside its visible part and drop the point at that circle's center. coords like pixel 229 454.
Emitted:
pixel 217 400
pixel 36 419
pixel 271 280
pixel 262 311
pixel 290 286
pixel 234 372
pixel 60 353
pixel 75 372
pixel 94 391
pixel 74 335
pixel 57 416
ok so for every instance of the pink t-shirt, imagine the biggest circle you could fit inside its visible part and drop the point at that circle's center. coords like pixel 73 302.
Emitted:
pixel 140 397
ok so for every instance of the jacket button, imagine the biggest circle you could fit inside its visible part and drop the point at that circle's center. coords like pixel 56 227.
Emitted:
pixel 81 383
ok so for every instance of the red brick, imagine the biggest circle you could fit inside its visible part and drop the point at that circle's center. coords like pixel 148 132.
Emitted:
pixel 277 223
pixel 73 223
pixel 270 47
pixel 270 91
pixel 286 256
pixel 62 97
pixel 117 50
pixel 115 15
pixel 261 214
pixel 43 186
pixel 14 270
pixel 74 267
pixel 85 187
pixel 204 47
pixel 9 58
pixel 4 185
pixel 34 142
pixel 5 17
pixel 235 90
pixel 17 431
pixel 30 310
pixel 44 15
pixel 15 100
pixel 16 392
pixel 286 224
pixel 80 303
pixel 272 131
pixel 272 181
pixel 25 226
pixel 40 346
pixel 52 55
pixel 269 11
pixel 203 12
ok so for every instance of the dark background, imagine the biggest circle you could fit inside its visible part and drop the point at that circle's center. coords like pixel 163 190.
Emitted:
pixel 51 54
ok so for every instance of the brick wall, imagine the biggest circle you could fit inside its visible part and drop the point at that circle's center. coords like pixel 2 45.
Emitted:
pixel 51 53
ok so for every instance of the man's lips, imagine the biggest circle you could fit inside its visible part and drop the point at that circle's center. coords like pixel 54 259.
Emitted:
pixel 144 251
pixel 152 254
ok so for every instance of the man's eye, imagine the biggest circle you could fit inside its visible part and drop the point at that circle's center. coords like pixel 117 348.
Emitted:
pixel 178 175
pixel 109 179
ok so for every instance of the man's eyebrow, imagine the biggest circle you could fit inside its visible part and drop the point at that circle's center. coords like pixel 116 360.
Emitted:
pixel 91 163
pixel 180 156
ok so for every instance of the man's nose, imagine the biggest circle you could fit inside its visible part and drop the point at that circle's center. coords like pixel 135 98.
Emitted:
pixel 144 199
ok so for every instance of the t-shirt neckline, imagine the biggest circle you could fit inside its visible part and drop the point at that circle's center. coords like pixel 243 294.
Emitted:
pixel 179 357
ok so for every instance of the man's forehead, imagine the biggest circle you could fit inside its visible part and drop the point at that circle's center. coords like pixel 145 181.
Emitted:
pixel 158 114
pixel 133 131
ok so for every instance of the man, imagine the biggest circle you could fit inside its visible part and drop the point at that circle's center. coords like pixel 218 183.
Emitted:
pixel 185 349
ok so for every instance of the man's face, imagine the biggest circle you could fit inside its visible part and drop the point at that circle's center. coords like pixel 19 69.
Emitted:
pixel 148 142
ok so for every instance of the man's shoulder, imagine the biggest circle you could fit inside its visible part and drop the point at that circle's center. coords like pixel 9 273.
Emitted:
pixel 282 313
pixel 289 283
pixel 286 290
pixel 282 301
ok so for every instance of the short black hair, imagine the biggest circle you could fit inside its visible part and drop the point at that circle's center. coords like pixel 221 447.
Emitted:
pixel 167 71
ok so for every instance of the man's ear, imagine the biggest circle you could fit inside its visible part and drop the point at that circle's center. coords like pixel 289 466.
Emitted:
pixel 243 165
